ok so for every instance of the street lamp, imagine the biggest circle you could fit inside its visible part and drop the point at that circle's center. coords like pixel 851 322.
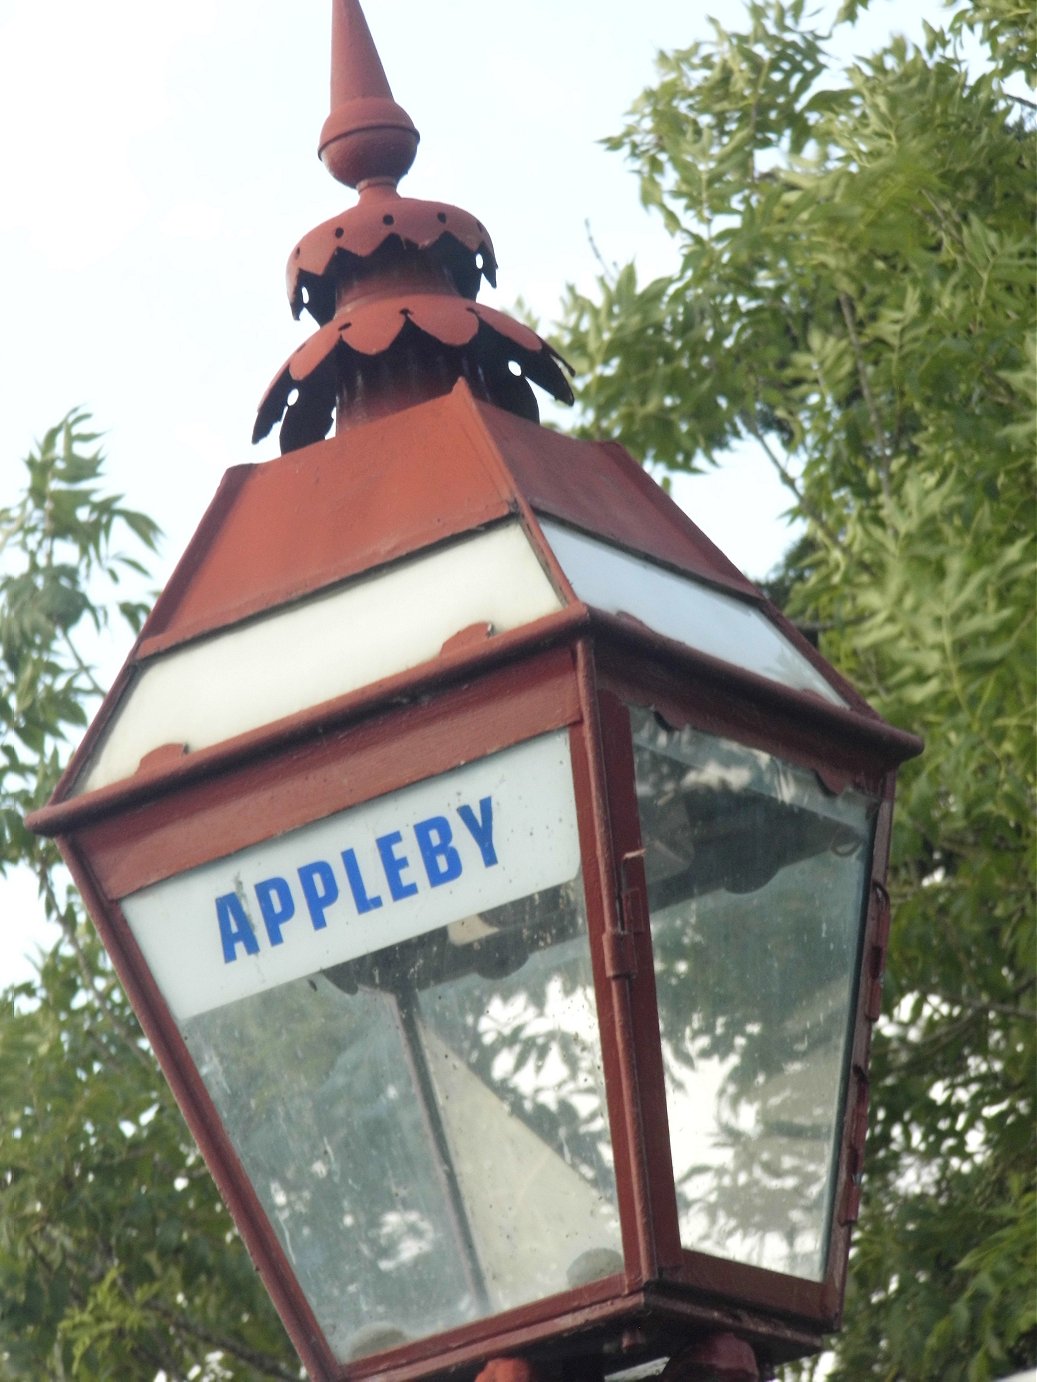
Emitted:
pixel 497 875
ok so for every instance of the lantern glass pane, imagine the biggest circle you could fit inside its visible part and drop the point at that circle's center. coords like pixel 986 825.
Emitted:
pixel 419 1107
pixel 757 882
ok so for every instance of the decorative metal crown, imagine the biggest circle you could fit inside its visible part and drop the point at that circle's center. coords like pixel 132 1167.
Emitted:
pixel 392 282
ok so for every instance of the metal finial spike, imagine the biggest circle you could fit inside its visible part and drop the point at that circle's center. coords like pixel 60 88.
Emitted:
pixel 367 137
pixel 356 68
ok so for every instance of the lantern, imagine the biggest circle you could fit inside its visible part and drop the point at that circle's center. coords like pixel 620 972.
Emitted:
pixel 498 876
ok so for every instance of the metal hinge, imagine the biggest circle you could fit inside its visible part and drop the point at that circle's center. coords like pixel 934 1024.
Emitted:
pixel 621 946
pixel 877 957
pixel 620 955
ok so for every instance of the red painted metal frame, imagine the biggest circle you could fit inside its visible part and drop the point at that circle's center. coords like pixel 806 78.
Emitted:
pixel 633 990
pixel 842 746
pixel 815 742
pixel 287 781
pixel 283 787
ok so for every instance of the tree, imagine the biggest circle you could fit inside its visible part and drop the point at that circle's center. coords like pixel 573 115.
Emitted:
pixel 116 1256
pixel 855 293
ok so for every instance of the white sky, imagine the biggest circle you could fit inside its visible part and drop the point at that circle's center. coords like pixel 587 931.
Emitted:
pixel 158 163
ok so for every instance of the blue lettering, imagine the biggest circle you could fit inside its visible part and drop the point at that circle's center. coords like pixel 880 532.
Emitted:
pixel 442 861
pixel 394 864
pixel 319 889
pixel 235 927
pixel 481 829
pixel 275 902
pixel 364 903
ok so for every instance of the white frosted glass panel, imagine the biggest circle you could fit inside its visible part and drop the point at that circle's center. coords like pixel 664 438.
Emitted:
pixel 440 852
pixel 708 620
pixel 326 646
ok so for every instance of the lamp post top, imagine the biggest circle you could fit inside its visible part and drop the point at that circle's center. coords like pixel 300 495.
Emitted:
pixel 392 281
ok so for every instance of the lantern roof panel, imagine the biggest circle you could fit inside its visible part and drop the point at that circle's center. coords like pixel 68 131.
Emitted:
pixel 286 528
pixel 402 534
pixel 599 488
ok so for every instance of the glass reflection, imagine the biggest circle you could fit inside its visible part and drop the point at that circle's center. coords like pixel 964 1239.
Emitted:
pixel 439 1151
pixel 756 880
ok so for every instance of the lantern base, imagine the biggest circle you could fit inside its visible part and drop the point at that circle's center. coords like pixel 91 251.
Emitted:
pixel 717 1358
pixel 509 1370
pixel 520 1370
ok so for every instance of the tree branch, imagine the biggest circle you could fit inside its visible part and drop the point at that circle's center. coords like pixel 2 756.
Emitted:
pixel 608 272
pixel 123 1031
pixel 970 1010
pixel 270 1367
pixel 84 668
pixel 869 398
pixel 789 480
